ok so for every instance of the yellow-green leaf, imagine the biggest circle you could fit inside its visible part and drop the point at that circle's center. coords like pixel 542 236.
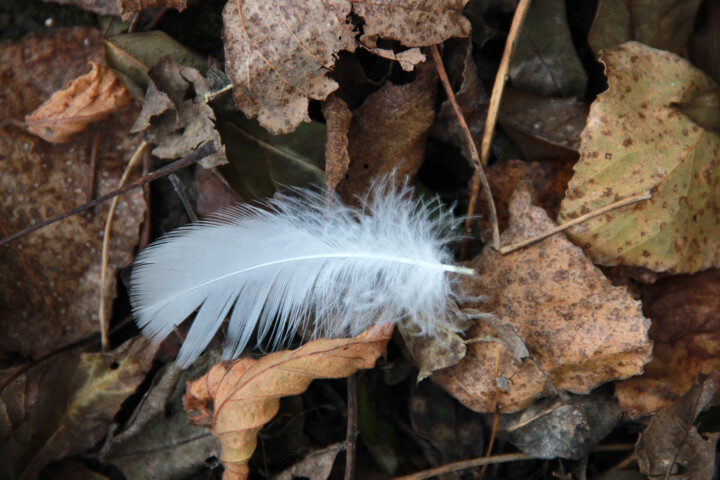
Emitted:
pixel 637 140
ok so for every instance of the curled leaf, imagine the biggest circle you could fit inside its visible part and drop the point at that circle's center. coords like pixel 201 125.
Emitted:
pixel 89 98
pixel 246 393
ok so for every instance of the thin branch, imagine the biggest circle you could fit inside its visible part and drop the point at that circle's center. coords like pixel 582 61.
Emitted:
pixel 204 151
pixel 491 120
pixel 465 464
pixel 352 426
pixel 627 201
pixel 104 324
pixel 479 171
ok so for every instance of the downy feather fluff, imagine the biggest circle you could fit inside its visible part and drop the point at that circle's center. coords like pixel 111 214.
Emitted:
pixel 302 261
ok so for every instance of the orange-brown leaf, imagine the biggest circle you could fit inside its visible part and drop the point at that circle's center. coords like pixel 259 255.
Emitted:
pixel 89 98
pixel 246 393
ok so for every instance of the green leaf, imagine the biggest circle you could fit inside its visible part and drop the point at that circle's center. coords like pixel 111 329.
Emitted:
pixel 636 141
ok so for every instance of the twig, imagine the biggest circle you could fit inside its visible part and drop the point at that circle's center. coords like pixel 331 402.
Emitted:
pixel 137 156
pixel 491 119
pixel 209 96
pixel 352 426
pixel 204 151
pixel 465 464
pixel 479 171
pixel 493 432
pixel 627 201
pixel 93 166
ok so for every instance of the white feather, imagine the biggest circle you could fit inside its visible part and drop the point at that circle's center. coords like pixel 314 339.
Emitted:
pixel 302 260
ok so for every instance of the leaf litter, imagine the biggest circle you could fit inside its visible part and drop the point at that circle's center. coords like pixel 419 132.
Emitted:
pixel 551 333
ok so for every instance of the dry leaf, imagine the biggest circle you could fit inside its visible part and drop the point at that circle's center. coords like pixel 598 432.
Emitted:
pixel 51 278
pixel 671 440
pixel 278 55
pixel 686 333
pixel 414 23
pixel 128 7
pixel 66 404
pixel 636 141
pixel 580 329
pixel 316 466
pixel 86 99
pixel 388 132
pixel 246 393
pixel 428 353
pixel 663 24
pixel 175 116
pixel 337 118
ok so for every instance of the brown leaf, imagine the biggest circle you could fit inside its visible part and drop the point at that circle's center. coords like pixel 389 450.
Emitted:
pixel 337 117
pixel 86 99
pixel 175 116
pixel 101 7
pixel 128 7
pixel 388 132
pixel 316 466
pixel 579 329
pixel 246 393
pixel 66 404
pixel 278 56
pixel 663 24
pixel 51 278
pixel 671 440
pixel 429 353
pixel 414 23
pixel 686 332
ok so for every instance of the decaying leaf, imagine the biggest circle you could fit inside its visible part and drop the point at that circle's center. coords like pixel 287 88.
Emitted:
pixel 686 333
pixel 175 116
pixel 128 7
pixel 388 132
pixel 51 278
pixel 316 466
pixel 635 141
pixel 64 405
pixel 545 60
pixel 580 330
pixel 278 55
pixel 662 24
pixel 86 99
pixel 567 429
pixel 432 352
pixel 337 160
pixel 246 393
pixel 671 440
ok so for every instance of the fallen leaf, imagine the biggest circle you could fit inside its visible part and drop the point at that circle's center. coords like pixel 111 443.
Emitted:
pixel 428 353
pixel 663 24
pixel 158 442
pixel 388 132
pixel 246 393
pixel 635 142
pixel 175 116
pixel 133 54
pixel 87 99
pixel 543 128
pixel 128 7
pixel 545 60
pixel 671 440
pixel 261 164
pixel 51 278
pixel 686 333
pixel 101 7
pixel 316 466
pixel 337 118
pixel 278 56
pixel 407 59
pixel 562 429
pixel 580 330
pixel 65 405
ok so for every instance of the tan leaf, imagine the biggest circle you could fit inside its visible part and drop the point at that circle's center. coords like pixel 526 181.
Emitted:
pixel 686 333
pixel 388 132
pixel 246 393
pixel 87 99
pixel 635 141
pixel 581 330
pixel 337 118
pixel 316 466
pixel 278 55
pixel 128 7
pixel 51 278
pixel 414 23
